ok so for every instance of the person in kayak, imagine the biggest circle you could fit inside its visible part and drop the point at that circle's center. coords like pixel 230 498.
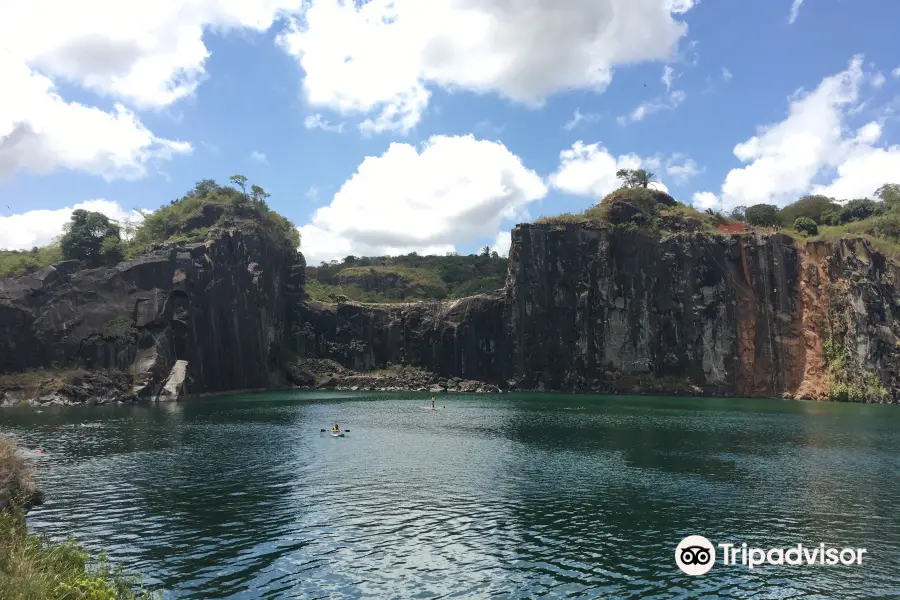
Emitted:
pixel 336 428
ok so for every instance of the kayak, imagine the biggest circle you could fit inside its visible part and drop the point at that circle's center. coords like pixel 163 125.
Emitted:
pixel 333 434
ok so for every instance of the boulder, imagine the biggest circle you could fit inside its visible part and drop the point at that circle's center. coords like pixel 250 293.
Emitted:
pixel 174 386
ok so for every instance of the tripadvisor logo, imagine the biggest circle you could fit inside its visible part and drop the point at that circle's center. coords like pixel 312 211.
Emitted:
pixel 696 555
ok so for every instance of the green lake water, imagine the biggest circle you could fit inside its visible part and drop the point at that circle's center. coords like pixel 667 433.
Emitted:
pixel 492 496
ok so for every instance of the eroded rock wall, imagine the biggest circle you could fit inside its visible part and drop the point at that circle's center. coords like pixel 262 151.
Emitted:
pixel 585 308
pixel 220 306
pixel 606 309
pixel 463 338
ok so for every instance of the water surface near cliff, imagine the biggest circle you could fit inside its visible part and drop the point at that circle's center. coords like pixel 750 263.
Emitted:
pixel 512 496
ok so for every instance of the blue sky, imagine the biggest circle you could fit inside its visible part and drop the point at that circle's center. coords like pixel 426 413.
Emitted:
pixel 392 127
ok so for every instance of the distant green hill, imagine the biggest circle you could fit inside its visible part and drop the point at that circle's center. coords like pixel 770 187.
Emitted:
pixel 407 278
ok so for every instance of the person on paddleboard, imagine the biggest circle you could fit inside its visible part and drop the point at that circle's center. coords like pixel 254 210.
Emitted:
pixel 432 402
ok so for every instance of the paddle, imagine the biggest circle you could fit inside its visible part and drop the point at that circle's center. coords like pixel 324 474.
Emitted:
pixel 324 430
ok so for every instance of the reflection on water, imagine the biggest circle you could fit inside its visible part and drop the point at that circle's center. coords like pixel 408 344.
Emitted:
pixel 519 496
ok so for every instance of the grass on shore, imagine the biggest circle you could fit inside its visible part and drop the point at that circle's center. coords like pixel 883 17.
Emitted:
pixel 34 568
pixel 17 486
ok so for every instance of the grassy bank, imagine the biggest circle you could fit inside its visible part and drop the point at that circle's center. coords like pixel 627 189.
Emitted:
pixel 34 568
pixel 409 278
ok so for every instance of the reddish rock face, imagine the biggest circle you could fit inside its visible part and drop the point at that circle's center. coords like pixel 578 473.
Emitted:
pixel 604 309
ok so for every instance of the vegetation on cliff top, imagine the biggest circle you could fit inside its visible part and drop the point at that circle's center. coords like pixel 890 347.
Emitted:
pixel 209 205
pixel 637 206
pixel 96 240
pixel 34 568
pixel 408 278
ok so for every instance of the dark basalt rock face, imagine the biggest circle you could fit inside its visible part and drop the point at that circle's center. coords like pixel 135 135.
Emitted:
pixel 585 308
pixel 590 308
pixel 459 338
pixel 219 306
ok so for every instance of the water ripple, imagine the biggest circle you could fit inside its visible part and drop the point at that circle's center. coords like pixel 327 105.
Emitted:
pixel 520 497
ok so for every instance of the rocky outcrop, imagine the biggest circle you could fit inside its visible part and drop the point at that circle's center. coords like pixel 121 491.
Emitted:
pixel 591 308
pixel 70 389
pixel 209 315
pixel 174 385
pixel 329 374
pixel 585 308
pixel 460 338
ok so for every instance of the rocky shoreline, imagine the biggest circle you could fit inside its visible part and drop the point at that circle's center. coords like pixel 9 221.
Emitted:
pixel 95 388
pixel 66 388
pixel 313 373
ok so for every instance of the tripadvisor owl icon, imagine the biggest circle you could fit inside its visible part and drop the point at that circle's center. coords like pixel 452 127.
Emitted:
pixel 695 555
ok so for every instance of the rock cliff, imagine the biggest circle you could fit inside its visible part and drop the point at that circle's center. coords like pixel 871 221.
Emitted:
pixel 204 317
pixel 750 315
pixel 592 308
pixel 585 308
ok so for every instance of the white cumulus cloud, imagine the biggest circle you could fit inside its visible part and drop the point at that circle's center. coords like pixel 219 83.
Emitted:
pixel 257 156
pixel 40 132
pixel 390 52
pixel 590 170
pixel 785 159
pixel 788 159
pixel 682 168
pixel 142 53
pixel 147 52
pixel 424 199
pixel 704 200
pixel 502 243
pixel 38 227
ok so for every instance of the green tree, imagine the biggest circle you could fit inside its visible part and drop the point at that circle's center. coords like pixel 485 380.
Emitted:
pixel 806 225
pixel 738 213
pixel 831 216
pixel 889 193
pixel 762 215
pixel 201 189
pixel 861 208
pixel 240 181
pixel 486 251
pixel 813 207
pixel 92 238
pixel 635 177
pixel 258 194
